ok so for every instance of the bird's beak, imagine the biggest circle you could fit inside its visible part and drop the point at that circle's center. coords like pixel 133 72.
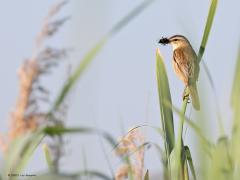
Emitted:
pixel 164 41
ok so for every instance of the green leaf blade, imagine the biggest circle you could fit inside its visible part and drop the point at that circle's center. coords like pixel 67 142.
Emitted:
pixel 48 157
pixel 165 96
pixel 91 54
pixel 146 176
pixel 188 156
pixel 208 26
pixel 60 130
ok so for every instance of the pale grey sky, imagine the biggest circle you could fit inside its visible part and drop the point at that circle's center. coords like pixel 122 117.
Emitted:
pixel 119 88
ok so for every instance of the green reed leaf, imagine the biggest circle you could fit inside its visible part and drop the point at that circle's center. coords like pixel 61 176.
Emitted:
pixel 235 102
pixel 208 26
pixel 190 161
pixel 48 157
pixel 60 130
pixel 89 57
pixel 146 176
pixel 165 96
pixel 21 151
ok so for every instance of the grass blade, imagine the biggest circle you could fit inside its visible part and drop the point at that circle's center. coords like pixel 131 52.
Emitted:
pixel 221 163
pixel 206 143
pixel 165 96
pixel 235 102
pixel 48 157
pixel 236 83
pixel 60 130
pixel 190 161
pixel 208 26
pixel 89 57
pixel 185 170
pixel 21 151
pixel 179 163
pixel 78 72
pixel 130 16
pixel 146 176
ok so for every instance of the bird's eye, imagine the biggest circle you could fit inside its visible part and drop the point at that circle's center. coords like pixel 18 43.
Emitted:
pixel 175 40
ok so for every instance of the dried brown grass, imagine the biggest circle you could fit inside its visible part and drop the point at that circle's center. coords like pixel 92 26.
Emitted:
pixel 132 147
pixel 27 114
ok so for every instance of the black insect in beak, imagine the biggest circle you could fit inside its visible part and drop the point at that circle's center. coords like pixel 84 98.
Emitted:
pixel 164 41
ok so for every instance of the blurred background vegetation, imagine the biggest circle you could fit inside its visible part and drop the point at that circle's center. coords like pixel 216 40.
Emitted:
pixel 74 116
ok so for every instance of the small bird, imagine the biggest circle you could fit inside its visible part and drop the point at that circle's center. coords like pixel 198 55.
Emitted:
pixel 185 64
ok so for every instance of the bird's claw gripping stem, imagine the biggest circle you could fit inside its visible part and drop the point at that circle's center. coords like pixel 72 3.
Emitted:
pixel 186 95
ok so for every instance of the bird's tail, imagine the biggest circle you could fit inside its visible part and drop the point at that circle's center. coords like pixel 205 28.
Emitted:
pixel 194 96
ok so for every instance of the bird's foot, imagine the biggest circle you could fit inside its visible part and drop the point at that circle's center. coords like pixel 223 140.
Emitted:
pixel 186 95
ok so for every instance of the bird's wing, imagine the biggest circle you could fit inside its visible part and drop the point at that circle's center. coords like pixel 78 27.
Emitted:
pixel 196 66
pixel 184 64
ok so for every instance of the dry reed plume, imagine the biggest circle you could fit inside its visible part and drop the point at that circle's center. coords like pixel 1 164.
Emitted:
pixel 131 146
pixel 27 115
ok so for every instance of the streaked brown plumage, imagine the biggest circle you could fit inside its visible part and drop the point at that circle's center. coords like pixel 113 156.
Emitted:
pixel 185 64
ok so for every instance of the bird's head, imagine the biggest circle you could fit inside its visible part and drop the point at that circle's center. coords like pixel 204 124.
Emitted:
pixel 176 41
